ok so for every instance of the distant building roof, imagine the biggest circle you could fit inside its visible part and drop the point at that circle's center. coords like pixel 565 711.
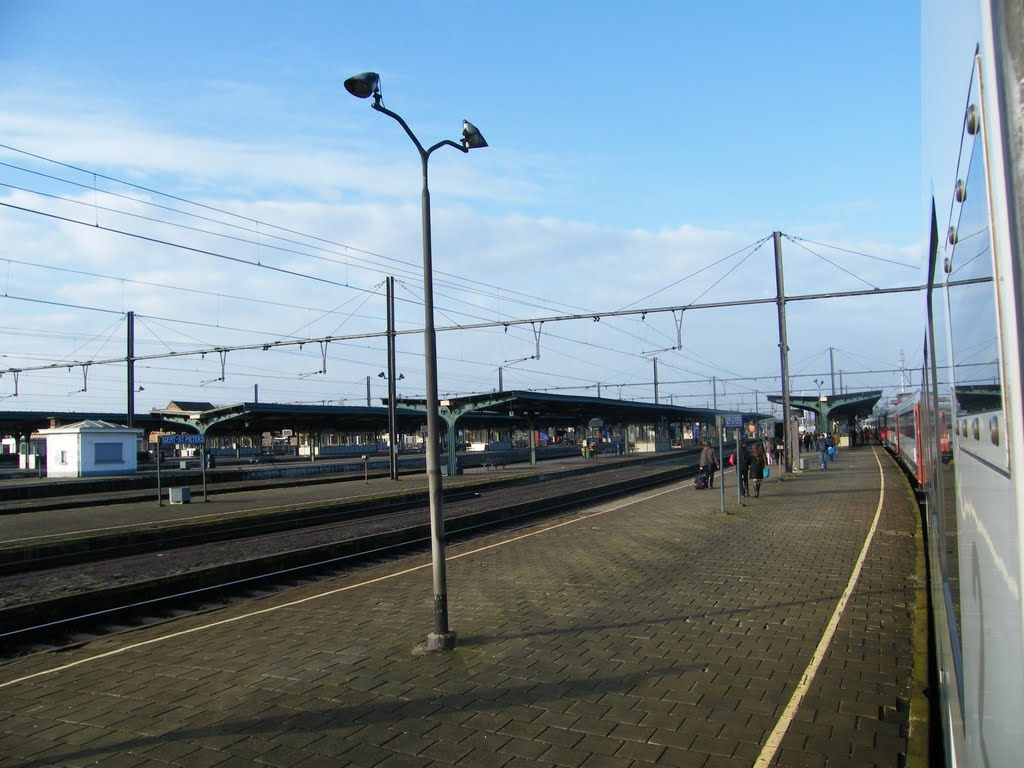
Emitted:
pixel 89 425
pixel 184 405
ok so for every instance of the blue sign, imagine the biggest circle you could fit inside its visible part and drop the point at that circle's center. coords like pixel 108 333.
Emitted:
pixel 733 420
pixel 182 439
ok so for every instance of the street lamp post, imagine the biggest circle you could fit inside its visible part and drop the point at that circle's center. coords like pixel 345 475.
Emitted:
pixel 363 86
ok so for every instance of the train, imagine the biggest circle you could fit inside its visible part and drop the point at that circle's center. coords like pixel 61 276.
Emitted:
pixel 961 432
pixel 898 426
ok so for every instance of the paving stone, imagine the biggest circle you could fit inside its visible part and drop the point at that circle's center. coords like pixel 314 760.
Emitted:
pixel 525 748
pixel 643 752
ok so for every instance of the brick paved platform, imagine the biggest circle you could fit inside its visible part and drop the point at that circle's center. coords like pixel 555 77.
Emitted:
pixel 653 631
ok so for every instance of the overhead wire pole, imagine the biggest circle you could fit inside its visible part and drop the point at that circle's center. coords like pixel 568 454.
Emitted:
pixel 719 426
pixel 130 362
pixel 832 368
pixel 392 383
pixel 787 428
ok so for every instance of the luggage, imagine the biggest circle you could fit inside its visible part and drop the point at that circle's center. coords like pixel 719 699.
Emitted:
pixel 700 482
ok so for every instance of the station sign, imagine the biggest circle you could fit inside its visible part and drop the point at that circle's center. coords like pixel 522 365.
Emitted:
pixel 733 420
pixel 182 439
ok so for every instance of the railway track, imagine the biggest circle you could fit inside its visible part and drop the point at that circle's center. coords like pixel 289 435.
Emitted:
pixel 63 594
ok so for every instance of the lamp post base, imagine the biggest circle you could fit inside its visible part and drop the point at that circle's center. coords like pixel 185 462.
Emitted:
pixel 441 641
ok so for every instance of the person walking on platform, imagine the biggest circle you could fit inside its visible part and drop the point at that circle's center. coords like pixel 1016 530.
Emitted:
pixel 758 460
pixel 708 463
pixel 822 446
pixel 742 465
pixel 833 446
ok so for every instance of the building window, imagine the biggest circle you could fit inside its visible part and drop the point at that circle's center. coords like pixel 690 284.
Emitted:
pixel 109 453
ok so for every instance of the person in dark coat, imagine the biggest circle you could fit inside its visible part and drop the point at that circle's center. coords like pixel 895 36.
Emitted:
pixel 742 466
pixel 822 446
pixel 758 460
pixel 709 463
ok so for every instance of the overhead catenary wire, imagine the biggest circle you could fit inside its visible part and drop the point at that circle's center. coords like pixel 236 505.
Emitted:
pixel 505 324
pixel 409 267
pixel 197 250
pixel 163 286
pixel 256 223
pixel 549 319
pixel 829 261
pixel 171 244
pixel 447 312
pixel 258 229
pixel 258 262
pixel 796 240
pixel 536 301
pixel 752 246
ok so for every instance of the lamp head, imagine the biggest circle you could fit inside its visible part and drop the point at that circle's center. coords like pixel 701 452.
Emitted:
pixel 471 137
pixel 364 86
pixel 382 375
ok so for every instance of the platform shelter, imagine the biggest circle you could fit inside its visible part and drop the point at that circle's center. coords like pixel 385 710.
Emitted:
pixel 835 412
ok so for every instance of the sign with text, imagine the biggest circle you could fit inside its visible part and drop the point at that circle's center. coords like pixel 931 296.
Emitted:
pixel 182 440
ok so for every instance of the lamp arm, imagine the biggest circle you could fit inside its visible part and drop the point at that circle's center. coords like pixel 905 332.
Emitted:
pixel 405 126
pixel 450 143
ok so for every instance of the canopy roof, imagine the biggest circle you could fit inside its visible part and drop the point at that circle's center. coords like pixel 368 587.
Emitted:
pixel 480 410
pixel 845 407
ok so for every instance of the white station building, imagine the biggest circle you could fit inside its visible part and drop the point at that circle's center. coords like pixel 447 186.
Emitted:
pixel 91 449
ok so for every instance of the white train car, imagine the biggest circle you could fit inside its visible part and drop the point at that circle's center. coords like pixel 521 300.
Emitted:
pixel 973 130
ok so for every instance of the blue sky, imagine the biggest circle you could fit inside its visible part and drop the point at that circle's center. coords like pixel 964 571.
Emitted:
pixel 632 151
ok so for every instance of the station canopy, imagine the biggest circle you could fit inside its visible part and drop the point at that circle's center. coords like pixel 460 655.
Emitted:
pixel 570 409
pixel 256 418
pixel 472 411
pixel 847 407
